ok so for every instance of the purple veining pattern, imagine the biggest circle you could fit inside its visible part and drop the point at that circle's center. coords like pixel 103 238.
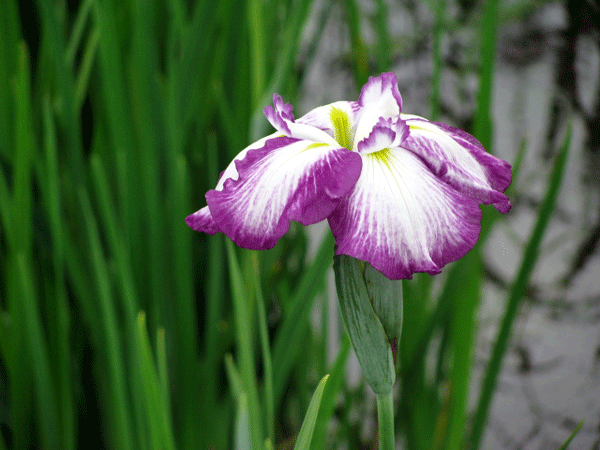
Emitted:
pixel 285 180
pixel 405 198
pixel 402 219
pixel 461 161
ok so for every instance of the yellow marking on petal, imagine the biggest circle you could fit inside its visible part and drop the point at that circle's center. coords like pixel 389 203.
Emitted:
pixel 382 156
pixel 435 130
pixel 342 128
pixel 316 145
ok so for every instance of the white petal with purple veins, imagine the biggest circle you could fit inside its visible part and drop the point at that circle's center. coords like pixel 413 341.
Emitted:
pixel 202 221
pixel 378 98
pixel 460 160
pixel 401 218
pixel 287 179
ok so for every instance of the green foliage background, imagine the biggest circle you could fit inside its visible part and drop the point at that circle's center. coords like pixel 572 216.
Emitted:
pixel 119 326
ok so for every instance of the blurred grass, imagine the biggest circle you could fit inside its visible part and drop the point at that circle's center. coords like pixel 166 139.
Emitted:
pixel 114 121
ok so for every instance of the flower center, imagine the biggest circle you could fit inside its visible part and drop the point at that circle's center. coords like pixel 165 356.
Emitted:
pixel 341 127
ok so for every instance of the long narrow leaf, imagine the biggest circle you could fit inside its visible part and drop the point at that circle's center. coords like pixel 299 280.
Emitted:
pixel 570 438
pixel 483 126
pixel 330 395
pixel 242 318
pixel 296 324
pixel 39 357
pixel 266 352
pixel 120 410
pixel 308 426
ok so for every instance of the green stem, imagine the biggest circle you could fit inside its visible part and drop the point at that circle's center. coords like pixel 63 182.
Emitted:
pixel 385 417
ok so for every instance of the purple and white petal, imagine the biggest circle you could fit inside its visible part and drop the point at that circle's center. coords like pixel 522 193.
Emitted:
pixel 287 179
pixel 231 171
pixel 378 98
pixel 282 118
pixel 202 221
pixel 401 218
pixel 322 116
pixel 387 133
pixel 460 160
pixel 381 137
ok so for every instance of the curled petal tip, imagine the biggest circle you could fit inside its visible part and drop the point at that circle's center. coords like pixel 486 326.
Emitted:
pixel 276 119
pixel 202 221
pixel 378 88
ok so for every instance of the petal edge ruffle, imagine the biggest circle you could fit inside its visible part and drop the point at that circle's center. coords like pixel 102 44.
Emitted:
pixel 460 160
pixel 401 218
pixel 287 179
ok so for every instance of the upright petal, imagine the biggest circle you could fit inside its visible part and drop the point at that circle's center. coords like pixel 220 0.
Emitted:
pixel 287 179
pixel 460 160
pixel 401 218
pixel 337 119
pixel 282 118
pixel 378 98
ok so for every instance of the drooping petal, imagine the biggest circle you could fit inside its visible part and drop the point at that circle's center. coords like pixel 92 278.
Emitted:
pixel 231 171
pixel 460 160
pixel 282 118
pixel 401 218
pixel 202 221
pixel 287 179
pixel 378 98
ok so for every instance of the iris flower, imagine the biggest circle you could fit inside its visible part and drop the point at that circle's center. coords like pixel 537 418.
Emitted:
pixel 400 192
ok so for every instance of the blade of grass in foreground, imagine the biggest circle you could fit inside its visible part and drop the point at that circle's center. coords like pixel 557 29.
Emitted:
pixel 330 394
pixel 518 290
pixel 116 379
pixel 296 321
pixel 308 425
pixel 483 126
pixel 570 438
pixel 245 340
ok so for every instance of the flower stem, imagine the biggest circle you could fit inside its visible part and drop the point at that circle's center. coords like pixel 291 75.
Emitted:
pixel 385 417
